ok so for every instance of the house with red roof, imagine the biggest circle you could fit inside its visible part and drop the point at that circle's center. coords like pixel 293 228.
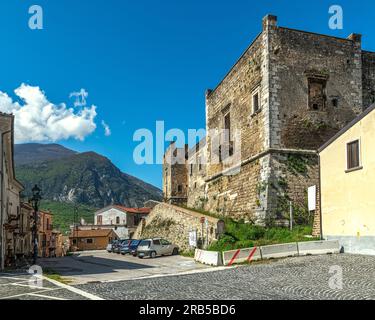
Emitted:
pixel 122 220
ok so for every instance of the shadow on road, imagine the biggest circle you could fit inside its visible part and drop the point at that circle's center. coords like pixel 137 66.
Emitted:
pixel 79 265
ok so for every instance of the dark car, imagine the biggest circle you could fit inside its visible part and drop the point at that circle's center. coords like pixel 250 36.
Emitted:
pixel 117 248
pixel 130 248
pixel 133 247
pixel 113 245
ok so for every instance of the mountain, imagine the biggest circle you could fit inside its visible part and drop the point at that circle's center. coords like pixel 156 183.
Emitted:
pixel 84 178
pixel 34 152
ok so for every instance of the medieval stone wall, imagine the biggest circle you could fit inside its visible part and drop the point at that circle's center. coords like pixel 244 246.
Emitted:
pixel 309 86
pixel 233 95
pixel 296 57
pixel 197 166
pixel 175 177
pixel 293 174
pixel 237 195
pixel 368 78
pixel 174 224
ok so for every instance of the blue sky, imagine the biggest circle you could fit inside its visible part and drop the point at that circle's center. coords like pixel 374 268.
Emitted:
pixel 143 61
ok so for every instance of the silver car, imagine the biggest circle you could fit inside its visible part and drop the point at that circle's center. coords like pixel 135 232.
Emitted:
pixel 156 247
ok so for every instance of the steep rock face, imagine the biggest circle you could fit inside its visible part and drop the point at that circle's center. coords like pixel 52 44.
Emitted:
pixel 86 178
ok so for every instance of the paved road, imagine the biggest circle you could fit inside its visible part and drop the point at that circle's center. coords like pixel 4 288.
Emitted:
pixel 101 266
pixel 20 286
pixel 294 278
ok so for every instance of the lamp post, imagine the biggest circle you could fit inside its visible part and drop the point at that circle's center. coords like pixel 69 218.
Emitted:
pixel 35 200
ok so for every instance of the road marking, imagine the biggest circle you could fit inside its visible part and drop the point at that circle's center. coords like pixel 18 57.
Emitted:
pixel 73 289
pixel 13 278
pixel 43 296
pixel 25 294
pixel 27 285
pixel 9 284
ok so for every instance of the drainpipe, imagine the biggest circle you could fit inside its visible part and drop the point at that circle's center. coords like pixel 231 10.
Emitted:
pixel 2 246
pixel 320 199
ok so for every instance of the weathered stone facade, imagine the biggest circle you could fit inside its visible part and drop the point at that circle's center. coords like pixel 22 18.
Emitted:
pixel 175 176
pixel 287 94
pixel 174 224
pixel 196 176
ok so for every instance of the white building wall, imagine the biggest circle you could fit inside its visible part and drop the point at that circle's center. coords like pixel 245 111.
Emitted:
pixel 109 217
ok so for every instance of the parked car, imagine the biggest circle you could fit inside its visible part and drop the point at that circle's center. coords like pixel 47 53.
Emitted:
pixel 134 247
pixel 119 245
pixel 156 247
pixel 130 248
pixel 109 246
pixel 124 248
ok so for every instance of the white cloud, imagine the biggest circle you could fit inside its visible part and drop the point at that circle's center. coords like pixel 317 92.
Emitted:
pixel 107 129
pixel 38 120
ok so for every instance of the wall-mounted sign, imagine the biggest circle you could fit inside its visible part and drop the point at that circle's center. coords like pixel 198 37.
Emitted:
pixel 311 193
pixel 193 238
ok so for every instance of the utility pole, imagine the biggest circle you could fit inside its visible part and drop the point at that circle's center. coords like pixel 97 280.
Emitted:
pixel 291 215
pixel 75 224
pixel 35 200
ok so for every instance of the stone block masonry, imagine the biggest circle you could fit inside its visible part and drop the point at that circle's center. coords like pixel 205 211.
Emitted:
pixel 174 223
pixel 287 94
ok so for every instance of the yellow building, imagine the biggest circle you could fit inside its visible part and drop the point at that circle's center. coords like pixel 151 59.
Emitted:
pixel 347 185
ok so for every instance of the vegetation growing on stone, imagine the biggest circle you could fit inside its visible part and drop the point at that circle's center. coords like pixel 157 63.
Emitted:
pixel 244 235
pixel 297 164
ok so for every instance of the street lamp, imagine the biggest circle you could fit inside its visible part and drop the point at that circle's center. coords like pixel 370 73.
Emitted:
pixel 35 200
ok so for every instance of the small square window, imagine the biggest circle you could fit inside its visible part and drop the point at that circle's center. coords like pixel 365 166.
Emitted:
pixel 335 102
pixel 353 159
pixel 89 241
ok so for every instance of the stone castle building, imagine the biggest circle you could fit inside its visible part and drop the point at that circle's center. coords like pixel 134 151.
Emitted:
pixel 288 93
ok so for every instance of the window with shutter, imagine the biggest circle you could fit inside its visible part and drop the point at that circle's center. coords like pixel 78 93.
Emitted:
pixel 353 159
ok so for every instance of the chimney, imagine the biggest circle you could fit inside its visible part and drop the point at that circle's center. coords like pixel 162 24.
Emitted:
pixel 269 21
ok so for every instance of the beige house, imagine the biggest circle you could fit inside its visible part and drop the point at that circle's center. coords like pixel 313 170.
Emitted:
pixel 347 172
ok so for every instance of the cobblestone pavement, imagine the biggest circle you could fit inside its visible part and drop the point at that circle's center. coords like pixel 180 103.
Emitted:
pixel 294 278
pixel 17 286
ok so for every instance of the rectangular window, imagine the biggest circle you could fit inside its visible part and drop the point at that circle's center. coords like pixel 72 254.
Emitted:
pixel 353 155
pixel 100 220
pixel 191 169
pixel 317 96
pixel 256 105
pixel 227 148
pixel 89 241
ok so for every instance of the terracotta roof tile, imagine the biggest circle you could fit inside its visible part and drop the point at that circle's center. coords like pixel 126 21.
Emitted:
pixel 134 210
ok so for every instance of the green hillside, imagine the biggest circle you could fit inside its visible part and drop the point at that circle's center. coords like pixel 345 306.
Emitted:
pixel 63 214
